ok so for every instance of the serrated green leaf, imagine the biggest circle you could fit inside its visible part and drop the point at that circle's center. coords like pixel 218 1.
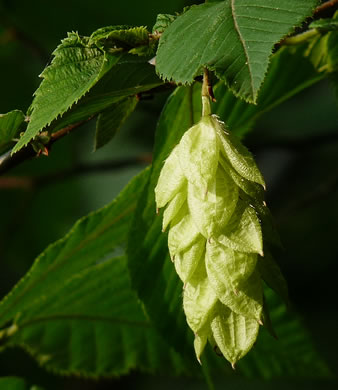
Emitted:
pixel 117 38
pixel 162 22
pixel 130 76
pixel 112 119
pixel 75 312
pixel 75 69
pixel 10 126
pixel 15 383
pixel 289 73
pixel 233 37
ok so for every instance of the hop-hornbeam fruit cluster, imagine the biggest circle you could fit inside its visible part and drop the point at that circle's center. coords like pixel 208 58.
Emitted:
pixel 212 192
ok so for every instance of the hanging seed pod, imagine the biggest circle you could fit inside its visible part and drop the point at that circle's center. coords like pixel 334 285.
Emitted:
pixel 213 194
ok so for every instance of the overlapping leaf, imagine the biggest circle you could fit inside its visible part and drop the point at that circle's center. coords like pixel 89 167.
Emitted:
pixel 232 37
pixel 111 120
pixel 75 69
pixel 131 75
pixel 78 64
pixel 10 125
pixel 75 312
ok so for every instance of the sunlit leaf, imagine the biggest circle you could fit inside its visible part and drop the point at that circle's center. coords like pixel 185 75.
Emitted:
pixel 233 37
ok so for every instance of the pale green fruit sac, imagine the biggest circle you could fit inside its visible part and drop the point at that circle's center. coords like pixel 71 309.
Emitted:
pixel 209 185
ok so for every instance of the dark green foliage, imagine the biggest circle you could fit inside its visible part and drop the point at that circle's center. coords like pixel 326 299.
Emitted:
pixel 105 300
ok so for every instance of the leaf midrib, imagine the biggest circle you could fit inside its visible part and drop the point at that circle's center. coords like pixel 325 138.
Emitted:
pixel 233 14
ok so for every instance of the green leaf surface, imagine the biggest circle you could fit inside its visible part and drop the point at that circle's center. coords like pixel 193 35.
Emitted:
pixel 162 22
pixel 115 37
pixel 75 312
pixel 289 73
pixel 10 125
pixel 325 25
pixel 112 119
pixel 234 38
pixel 76 68
pixel 150 265
pixel 15 383
pixel 130 76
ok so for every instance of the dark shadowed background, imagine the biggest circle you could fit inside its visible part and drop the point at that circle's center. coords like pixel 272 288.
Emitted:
pixel 296 147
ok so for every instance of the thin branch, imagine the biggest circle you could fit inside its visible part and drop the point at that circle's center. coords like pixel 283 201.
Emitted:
pixel 325 7
pixel 9 161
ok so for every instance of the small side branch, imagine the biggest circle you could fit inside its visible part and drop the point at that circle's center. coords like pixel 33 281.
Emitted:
pixel 9 161
pixel 333 4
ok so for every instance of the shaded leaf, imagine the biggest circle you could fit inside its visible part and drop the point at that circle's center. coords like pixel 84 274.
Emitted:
pixel 10 125
pixel 289 73
pixel 75 312
pixel 15 383
pixel 155 272
pixel 112 119
pixel 233 37
pixel 272 275
pixel 75 69
pixel 130 76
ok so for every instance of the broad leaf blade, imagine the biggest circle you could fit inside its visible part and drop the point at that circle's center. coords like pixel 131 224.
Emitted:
pixel 112 119
pixel 130 76
pixel 74 70
pixel 10 125
pixel 75 312
pixel 232 37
